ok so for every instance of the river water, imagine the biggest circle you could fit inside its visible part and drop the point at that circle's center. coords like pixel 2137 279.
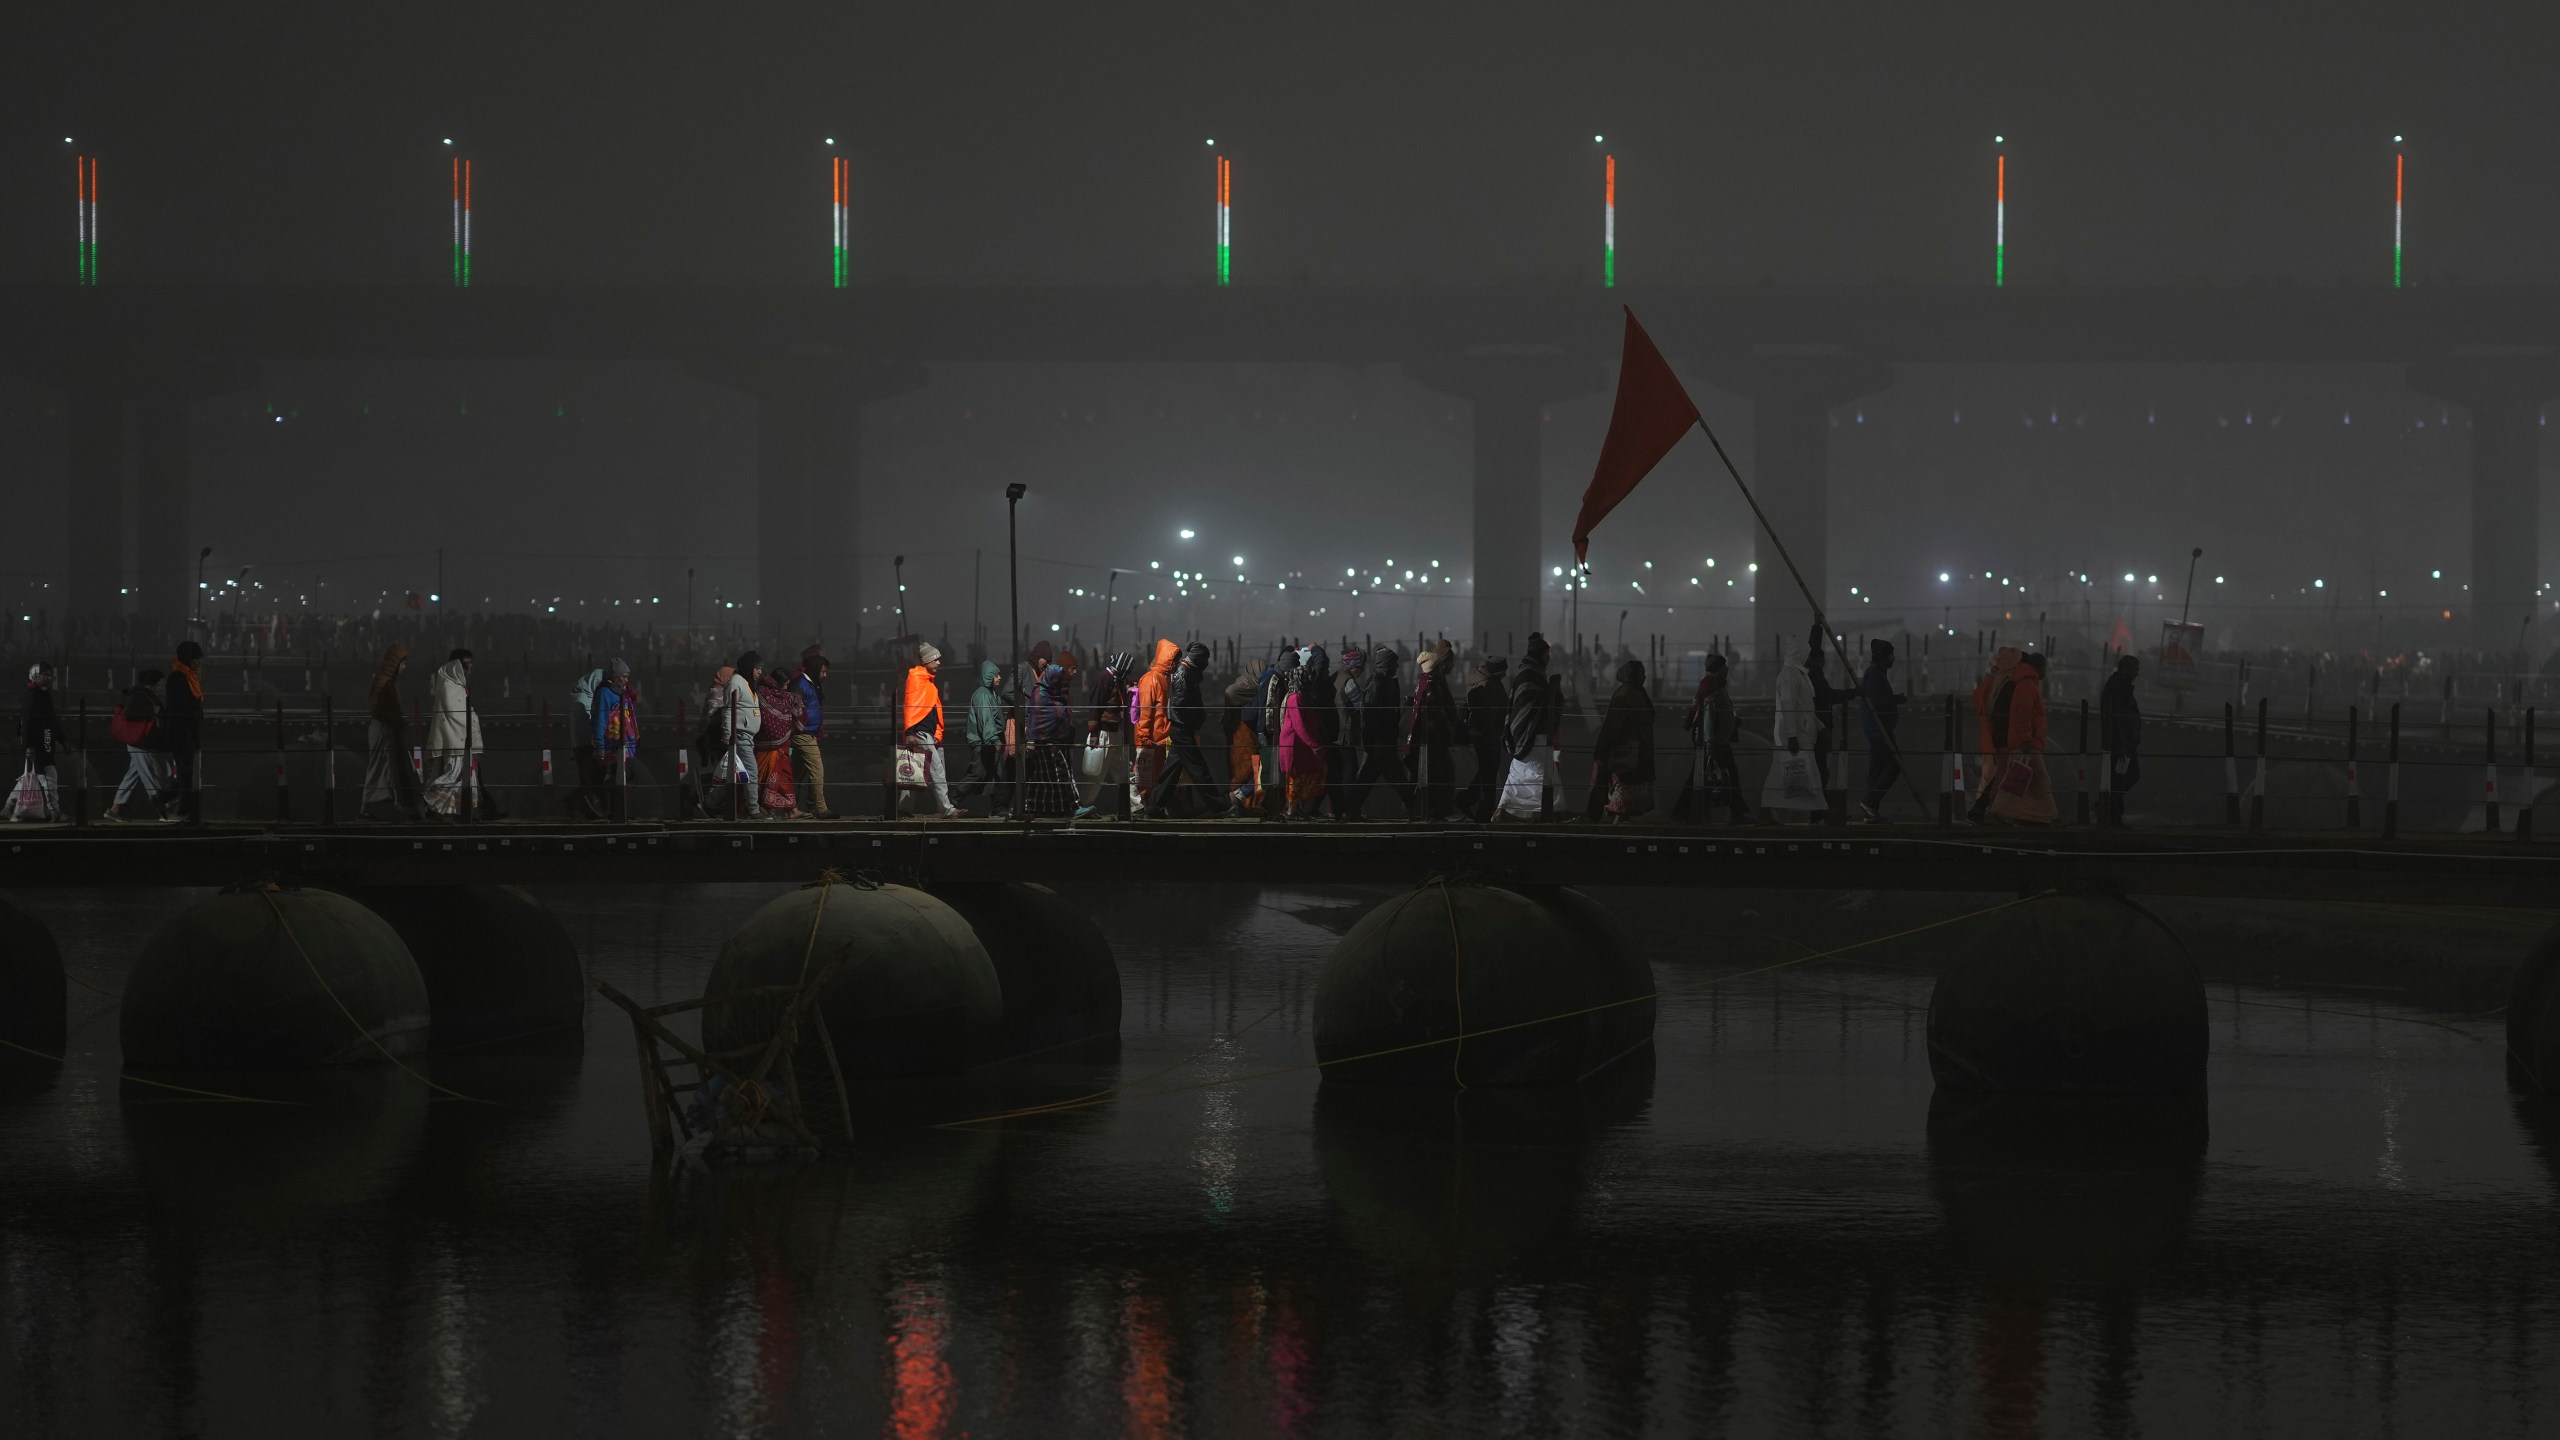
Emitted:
pixel 1767 1231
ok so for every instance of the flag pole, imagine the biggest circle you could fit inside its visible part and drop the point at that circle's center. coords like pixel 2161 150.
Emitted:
pixel 1819 618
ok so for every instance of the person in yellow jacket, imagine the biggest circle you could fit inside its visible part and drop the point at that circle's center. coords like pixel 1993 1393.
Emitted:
pixel 920 724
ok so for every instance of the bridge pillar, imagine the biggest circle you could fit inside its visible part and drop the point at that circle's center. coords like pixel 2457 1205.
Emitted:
pixel 96 551
pixel 163 560
pixel 1509 387
pixel 2505 398
pixel 1792 397
pixel 807 519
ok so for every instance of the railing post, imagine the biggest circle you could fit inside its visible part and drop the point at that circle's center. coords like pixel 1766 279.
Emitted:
pixel 80 787
pixel 545 732
pixel 2489 781
pixel 2258 781
pixel 2080 762
pixel 2391 779
pixel 2355 791
pixel 684 766
pixel 2230 767
pixel 328 760
pixel 284 794
pixel 2524 805
pixel 1951 775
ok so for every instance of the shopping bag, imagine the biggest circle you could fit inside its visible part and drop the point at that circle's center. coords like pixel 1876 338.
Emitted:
pixel 2018 777
pixel 32 797
pixel 914 768
pixel 1793 783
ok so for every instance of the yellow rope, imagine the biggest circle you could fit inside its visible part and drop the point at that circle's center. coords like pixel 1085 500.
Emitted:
pixel 268 893
pixel 138 1080
pixel 1465 1035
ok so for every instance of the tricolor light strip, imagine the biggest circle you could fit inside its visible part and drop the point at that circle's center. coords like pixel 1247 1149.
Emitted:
pixel 461 223
pixel 1225 271
pixel 1609 222
pixel 85 169
pixel 844 223
pixel 2399 192
pixel 2000 221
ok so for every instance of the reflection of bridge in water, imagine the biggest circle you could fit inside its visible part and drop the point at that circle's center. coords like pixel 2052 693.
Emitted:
pixel 2486 870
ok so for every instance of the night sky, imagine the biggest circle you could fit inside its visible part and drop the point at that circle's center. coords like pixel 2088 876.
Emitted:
pixel 1445 144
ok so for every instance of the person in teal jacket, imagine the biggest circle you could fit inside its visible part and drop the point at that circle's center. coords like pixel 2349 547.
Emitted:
pixel 985 734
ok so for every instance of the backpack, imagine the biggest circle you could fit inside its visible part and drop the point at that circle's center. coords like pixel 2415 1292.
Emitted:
pixel 584 693
pixel 130 732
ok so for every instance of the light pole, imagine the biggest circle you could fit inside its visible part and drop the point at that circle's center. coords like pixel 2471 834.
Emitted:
pixel 1013 592
pixel 688 609
pixel 202 556
pixel 1110 590
pixel 2184 605
pixel 898 572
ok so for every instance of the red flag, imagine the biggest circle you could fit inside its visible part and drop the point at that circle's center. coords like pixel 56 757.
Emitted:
pixel 1652 413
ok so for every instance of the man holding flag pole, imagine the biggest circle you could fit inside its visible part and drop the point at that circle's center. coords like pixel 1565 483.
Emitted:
pixel 1653 413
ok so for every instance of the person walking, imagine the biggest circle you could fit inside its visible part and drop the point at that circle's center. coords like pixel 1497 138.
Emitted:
pixel 1151 726
pixel 1049 788
pixel 38 794
pixel 1244 748
pixel 390 786
pixel 920 727
pixel 1795 778
pixel 1880 711
pixel 182 729
pixel 146 775
pixel 2120 735
pixel 739 717
pixel 777 720
pixel 983 733
pixel 1106 735
pixel 1303 751
pixel 1271 707
pixel 1186 715
pixel 1344 795
pixel 1488 711
pixel 1714 728
pixel 453 739
pixel 1525 726
pixel 1434 728
pixel 1622 752
pixel 1382 711
pixel 808 763
pixel 2010 700
pixel 615 738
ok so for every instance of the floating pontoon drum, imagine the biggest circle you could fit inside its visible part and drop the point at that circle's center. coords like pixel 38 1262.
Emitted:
pixel 258 979
pixel 2070 994
pixel 916 995
pixel 1054 964
pixel 498 966
pixel 1549 975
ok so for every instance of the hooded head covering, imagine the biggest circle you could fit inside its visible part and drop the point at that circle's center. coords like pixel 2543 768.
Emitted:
pixel 813 656
pixel 38 673
pixel 747 663
pixel 1715 663
pixel 1387 664
pixel 2036 662
pixel 1039 656
pixel 617 669
pixel 926 654
pixel 1880 652
pixel 1431 660
pixel 1197 654
pixel 1632 673
pixel 2005 658
pixel 1353 657
pixel 989 672
pixel 1536 649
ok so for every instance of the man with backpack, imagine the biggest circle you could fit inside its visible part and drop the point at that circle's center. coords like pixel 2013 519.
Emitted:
pixel 136 726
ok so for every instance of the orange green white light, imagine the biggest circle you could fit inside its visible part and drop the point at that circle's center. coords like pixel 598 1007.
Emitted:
pixel 461 223
pixel 843 215
pixel 1225 271
pixel 1609 222
pixel 85 172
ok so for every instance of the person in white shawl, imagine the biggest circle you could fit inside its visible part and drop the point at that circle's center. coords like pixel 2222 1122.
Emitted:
pixel 1793 784
pixel 453 737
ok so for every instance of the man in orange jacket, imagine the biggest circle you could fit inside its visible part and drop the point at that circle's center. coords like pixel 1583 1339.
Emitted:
pixel 920 724
pixel 1153 730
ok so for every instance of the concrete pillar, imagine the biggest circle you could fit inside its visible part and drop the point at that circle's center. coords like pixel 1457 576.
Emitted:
pixel 96 558
pixel 1792 398
pixel 2506 511
pixel 163 554
pixel 2504 395
pixel 808 570
pixel 1509 387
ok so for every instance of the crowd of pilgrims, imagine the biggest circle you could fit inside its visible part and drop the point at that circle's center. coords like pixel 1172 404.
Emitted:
pixel 1308 735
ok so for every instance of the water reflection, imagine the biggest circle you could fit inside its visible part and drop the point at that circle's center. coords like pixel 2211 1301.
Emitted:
pixel 1443 1186
pixel 2062 1200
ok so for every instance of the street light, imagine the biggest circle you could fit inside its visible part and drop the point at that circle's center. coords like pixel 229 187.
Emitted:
pixel 1013 586
pixel 898 570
